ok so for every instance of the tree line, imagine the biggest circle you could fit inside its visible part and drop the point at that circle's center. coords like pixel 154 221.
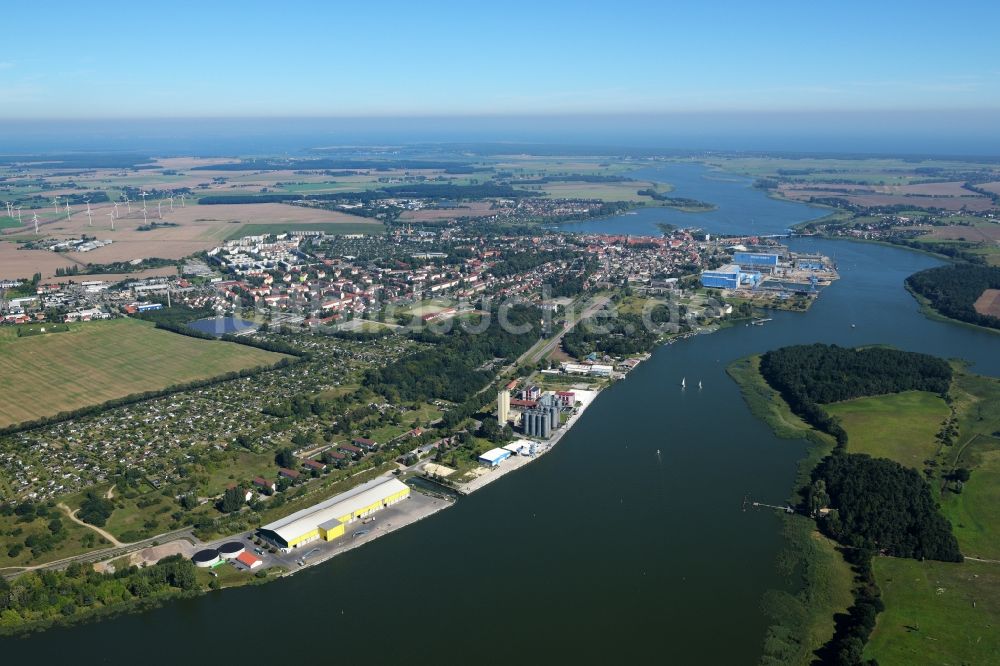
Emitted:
pixel 809 375
pixel 417 191
pixel 953 290
pixel 41 599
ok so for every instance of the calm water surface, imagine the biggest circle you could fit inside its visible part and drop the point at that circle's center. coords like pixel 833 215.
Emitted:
pixel 626 543
pixel 740 208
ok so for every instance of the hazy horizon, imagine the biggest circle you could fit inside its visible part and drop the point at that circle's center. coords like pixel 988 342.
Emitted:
pixel 886 132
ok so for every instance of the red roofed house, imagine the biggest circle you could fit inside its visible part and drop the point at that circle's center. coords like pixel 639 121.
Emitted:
pixel 314 464
pixel 350 448
pixel 251 562
pixel 567 398
pixel 334 456
pixel 247 494
pixel 365 443
pixel 288 473
pixel 264 484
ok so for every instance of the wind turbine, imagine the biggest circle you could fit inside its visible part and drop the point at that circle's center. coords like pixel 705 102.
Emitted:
pixel 144 215
pixel 127 203
pixel 112 216
pixel 69 213
pixel 34 217
pixel 183 205
pixel 55 204
pixel 144 195
pixel 19 215
pixel 171 197
pixel 90 216
pixel 10 210
pixel 116 209
pixel 159 209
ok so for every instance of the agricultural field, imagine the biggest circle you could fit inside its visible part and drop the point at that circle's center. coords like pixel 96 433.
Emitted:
pixel 17 263
pixel 898 426
pixel 43 375
pixel 989 303
pixel 197 228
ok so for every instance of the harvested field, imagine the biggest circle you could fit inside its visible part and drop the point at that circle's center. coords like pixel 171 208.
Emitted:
pixel 474 209
pixel 991 187
pixel 971 234
pixel 950 189
pixel 94 362
pixel 118 277
pixel 947 196
pixel 198 228
pixel 15 263
pixel 973 203
pixel 989 303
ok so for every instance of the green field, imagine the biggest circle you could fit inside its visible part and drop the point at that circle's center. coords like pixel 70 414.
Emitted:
pixel 898 426
pixel 42 375
pixel 936 613
pixel 373 227
pixel 623 191
pixel 975 512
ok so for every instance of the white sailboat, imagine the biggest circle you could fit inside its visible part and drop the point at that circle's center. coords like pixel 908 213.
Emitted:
pixel 699 384
pixel 683 382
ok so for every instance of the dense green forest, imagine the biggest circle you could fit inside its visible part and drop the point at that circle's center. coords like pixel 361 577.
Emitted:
pixel 952 290
pixel 625 334
pixel 40 599
pixel 449 369
pixel 810 375
pixel 883 506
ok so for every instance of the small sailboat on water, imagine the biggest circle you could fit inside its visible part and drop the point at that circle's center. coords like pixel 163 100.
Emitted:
pixel 683 382
pixel 699 384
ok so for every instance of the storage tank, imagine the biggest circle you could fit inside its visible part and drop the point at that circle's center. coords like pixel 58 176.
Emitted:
pixel 206 558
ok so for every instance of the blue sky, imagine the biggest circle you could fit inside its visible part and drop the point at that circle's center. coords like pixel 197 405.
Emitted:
pixel 253 59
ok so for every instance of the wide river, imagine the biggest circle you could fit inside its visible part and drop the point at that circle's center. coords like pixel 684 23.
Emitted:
pixel 625 544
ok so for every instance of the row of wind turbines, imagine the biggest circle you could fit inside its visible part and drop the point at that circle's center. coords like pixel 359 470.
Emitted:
pixel 113 214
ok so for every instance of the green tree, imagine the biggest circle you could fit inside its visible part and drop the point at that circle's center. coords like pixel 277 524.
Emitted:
pixel 285 458
pixel 232 500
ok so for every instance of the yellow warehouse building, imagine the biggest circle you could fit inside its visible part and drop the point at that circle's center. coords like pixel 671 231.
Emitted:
pixel 327 519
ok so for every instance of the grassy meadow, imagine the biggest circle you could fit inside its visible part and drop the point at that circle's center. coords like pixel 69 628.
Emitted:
pixel 936 613
pixel 975 512
pixel 898 426
pixel 42 375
